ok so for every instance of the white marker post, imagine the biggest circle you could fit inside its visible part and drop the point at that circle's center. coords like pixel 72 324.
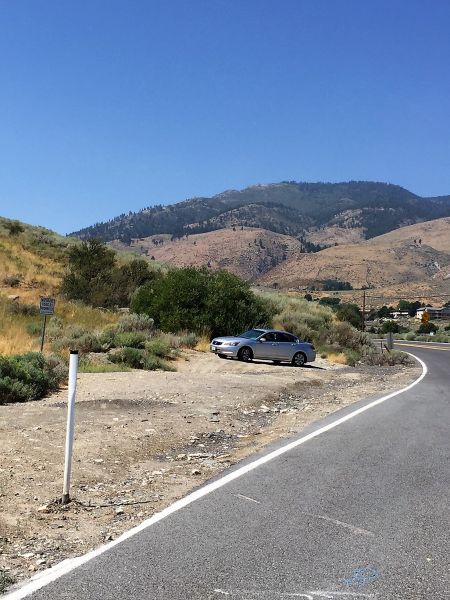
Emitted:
pixel 73 369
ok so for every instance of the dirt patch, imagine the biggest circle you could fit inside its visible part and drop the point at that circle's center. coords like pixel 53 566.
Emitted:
pixel 144 439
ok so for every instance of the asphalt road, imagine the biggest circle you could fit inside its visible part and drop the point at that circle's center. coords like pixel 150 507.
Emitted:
pixel 360 511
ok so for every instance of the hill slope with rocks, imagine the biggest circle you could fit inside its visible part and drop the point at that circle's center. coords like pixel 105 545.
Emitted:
pixel 247 252
pixel 418 254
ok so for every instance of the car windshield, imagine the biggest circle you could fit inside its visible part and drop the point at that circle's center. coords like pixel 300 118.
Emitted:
pixel 252 334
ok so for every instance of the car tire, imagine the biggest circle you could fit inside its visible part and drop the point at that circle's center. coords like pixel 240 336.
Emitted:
pixel 245 354
pixel 299 359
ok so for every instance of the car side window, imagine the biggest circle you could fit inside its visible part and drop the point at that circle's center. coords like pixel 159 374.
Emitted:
pixel 270 337
pixel 286 337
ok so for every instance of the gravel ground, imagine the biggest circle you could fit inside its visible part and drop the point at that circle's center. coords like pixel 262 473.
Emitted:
pixel 144 439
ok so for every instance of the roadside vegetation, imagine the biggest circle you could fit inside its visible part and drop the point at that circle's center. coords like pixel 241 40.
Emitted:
pixel 29 376
pixel 201 301
pixel 168 310
pixel 328 329
pixel 408 327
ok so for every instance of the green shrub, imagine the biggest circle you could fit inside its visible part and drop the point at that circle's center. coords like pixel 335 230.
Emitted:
pixel 427 328
pixel 75 337
pixel 135 322
pixel 27 310
pixel 201 301
pixel 34 328
pixel 344 336
pixel 29 376
pixel 11 281
pixel 188 340
pixel 351 314
pixel 95 278
pixel 107 338
pixel 335 284
pixel 87 366
pixel 389 359
pixel 441 337
pixel 132 357
pixel 152 363
pixel 352 357
pixel 130 339
pixel 159 347
pixel 390 327
pixel 139 359
pixel 330 301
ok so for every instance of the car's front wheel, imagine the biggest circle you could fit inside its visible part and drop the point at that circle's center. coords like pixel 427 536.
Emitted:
pixel 299 359
pixel 245 354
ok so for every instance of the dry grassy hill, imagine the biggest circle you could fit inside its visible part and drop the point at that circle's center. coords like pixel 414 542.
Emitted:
pixel 32 263
pixel 247 252
pixel 392 262
pixel 393 259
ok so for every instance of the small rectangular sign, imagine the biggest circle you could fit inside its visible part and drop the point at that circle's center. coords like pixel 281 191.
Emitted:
pixel 47 306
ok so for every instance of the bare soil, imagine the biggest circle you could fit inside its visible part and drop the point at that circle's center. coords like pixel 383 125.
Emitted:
pixel 144 439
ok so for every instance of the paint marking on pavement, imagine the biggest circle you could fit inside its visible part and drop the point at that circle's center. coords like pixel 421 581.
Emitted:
pixel 249 594
pixel 48 576
pixel 247 498
pixel 349 526
pixel 271 594
pixel 326 594
pixel 362 576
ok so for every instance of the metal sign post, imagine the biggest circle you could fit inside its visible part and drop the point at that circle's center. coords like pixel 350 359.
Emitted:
pixel 389 341
pixel 73 368
pixel 46 308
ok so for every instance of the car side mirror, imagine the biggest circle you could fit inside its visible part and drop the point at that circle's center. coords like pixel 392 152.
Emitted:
pixel 263 339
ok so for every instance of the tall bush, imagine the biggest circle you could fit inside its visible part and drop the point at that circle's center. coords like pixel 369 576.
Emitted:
pixel 95 278
pixel 200 301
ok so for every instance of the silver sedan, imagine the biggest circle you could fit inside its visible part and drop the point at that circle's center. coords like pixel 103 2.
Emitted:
pixel 265 344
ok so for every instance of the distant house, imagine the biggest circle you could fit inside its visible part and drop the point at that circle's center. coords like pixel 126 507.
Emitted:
pixel 399 314
pixel 434 312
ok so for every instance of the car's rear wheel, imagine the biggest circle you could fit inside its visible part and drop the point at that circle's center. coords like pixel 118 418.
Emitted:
pixel 245 354
pixel 299 359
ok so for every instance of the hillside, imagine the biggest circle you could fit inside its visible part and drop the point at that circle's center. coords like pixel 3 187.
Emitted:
pixel 32 263
pixel 394 259
pixel 247 252
pixel 291 208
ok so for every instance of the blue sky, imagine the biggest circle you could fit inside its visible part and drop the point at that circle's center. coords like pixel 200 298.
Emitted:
pixel 108 106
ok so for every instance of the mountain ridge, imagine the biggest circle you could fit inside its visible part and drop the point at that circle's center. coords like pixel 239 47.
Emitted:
pixel 288 207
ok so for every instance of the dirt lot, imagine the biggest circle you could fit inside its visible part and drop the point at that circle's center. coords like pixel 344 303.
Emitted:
pixel 144 439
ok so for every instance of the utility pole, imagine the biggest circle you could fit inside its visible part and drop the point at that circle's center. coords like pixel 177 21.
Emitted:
pixel 364 310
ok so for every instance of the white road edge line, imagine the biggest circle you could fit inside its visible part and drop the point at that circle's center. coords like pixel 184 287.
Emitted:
pixel 48 576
